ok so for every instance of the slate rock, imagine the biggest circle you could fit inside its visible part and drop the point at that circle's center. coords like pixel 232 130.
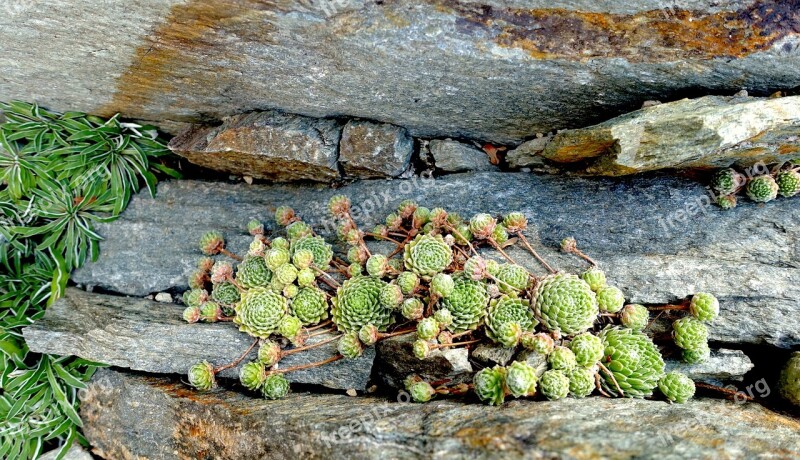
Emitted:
pixel 158 418
pixel 147 336
pixel 500 72
pixel 372 150
pixel 659 238
pixel 265 145
pixel 453 156
pixel 708 132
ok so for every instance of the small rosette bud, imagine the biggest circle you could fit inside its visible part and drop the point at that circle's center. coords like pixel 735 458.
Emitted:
pixel 421 392
pixel 377 265
pixel 368 334
pixel 339 206
pixel 275 386
pixel 635 316
pixel 408 282
pixel 303 258
pixel 221 271
pixel 252 375
pixel 428 329
pixel 284 215
pixel 269 353
pixel 704 306
pixel 515 222
pixel 442 285
pixel 412 309
pixel 212 243
pixel 191 314
pixel 443 317
pixel 391 296
pixel 201 376
pixel 350 346
pixel 521 379
pixel 255 227
pixel 482 226
pixel 421 349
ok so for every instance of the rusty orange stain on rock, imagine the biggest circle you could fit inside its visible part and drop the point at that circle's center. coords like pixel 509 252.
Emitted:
pixel 193 31
pixel 650 36
pixel 184 51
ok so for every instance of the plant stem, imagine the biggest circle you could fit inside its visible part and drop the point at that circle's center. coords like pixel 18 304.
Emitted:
pixel 320 332
pixel 534 253
pixel 238 360
pixel 334 285
pixel 308 347
pixel 230 254
pixel 443 345
pixel 733 393
pixel 320 325
pixel 307 366
pixel 669 307
pixel 381 237
pixel 613 379
pixel 386 335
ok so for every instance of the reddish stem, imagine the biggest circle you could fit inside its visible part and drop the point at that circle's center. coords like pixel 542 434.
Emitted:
pixel 308 347
pixel 238 360
pixel 534 253
pixel 307 366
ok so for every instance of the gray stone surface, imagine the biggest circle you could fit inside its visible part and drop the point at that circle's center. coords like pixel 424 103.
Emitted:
pixel 453 156
pixel 395 361
pixel 500 70
pixel 528 154
pixel 488 354
pixel 707 132
pixel 146 336
pixel 656 236
pixel 372 150
pixel 75 452
pixel 723 366
pixel 265 145
pixel 186 424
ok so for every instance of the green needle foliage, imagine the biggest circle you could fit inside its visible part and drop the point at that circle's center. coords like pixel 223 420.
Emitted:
pixel 59 175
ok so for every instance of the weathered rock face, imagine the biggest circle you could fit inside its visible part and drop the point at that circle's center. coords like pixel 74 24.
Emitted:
pixel 528 154
pixel 453 156
pixel 146 336
pixel 370 150
pixel 693 133
pixel 501 70
pixel 681 245
pixel 266 145
pixel 186 424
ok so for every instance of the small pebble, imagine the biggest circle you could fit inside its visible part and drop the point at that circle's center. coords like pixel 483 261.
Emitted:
pixel 352 392
pixel 164 297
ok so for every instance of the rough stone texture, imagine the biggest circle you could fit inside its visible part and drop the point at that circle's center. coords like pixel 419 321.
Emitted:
pixel 186 424
pixel 265 145
pixel 146 336
pixel 528 154
pixel 75 452
pixel 707 132
pixel 395 361
pixel 723 366
pixel 656 237
pixel 372 150
pixel 453 156
pixel 487 354
pixel 499 70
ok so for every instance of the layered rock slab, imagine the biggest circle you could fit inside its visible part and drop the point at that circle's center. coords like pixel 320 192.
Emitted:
pixel 707 132
pixel 266 145
pixel 147 336
pixel 500 71
pixel 185 424
pixel 658 238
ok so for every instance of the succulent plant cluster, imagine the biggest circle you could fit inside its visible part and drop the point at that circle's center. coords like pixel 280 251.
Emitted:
pixel 780 180
pixel 451 282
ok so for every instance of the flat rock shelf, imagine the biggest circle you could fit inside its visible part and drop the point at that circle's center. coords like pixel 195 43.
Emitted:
pixel 658 238
pixel 228 425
